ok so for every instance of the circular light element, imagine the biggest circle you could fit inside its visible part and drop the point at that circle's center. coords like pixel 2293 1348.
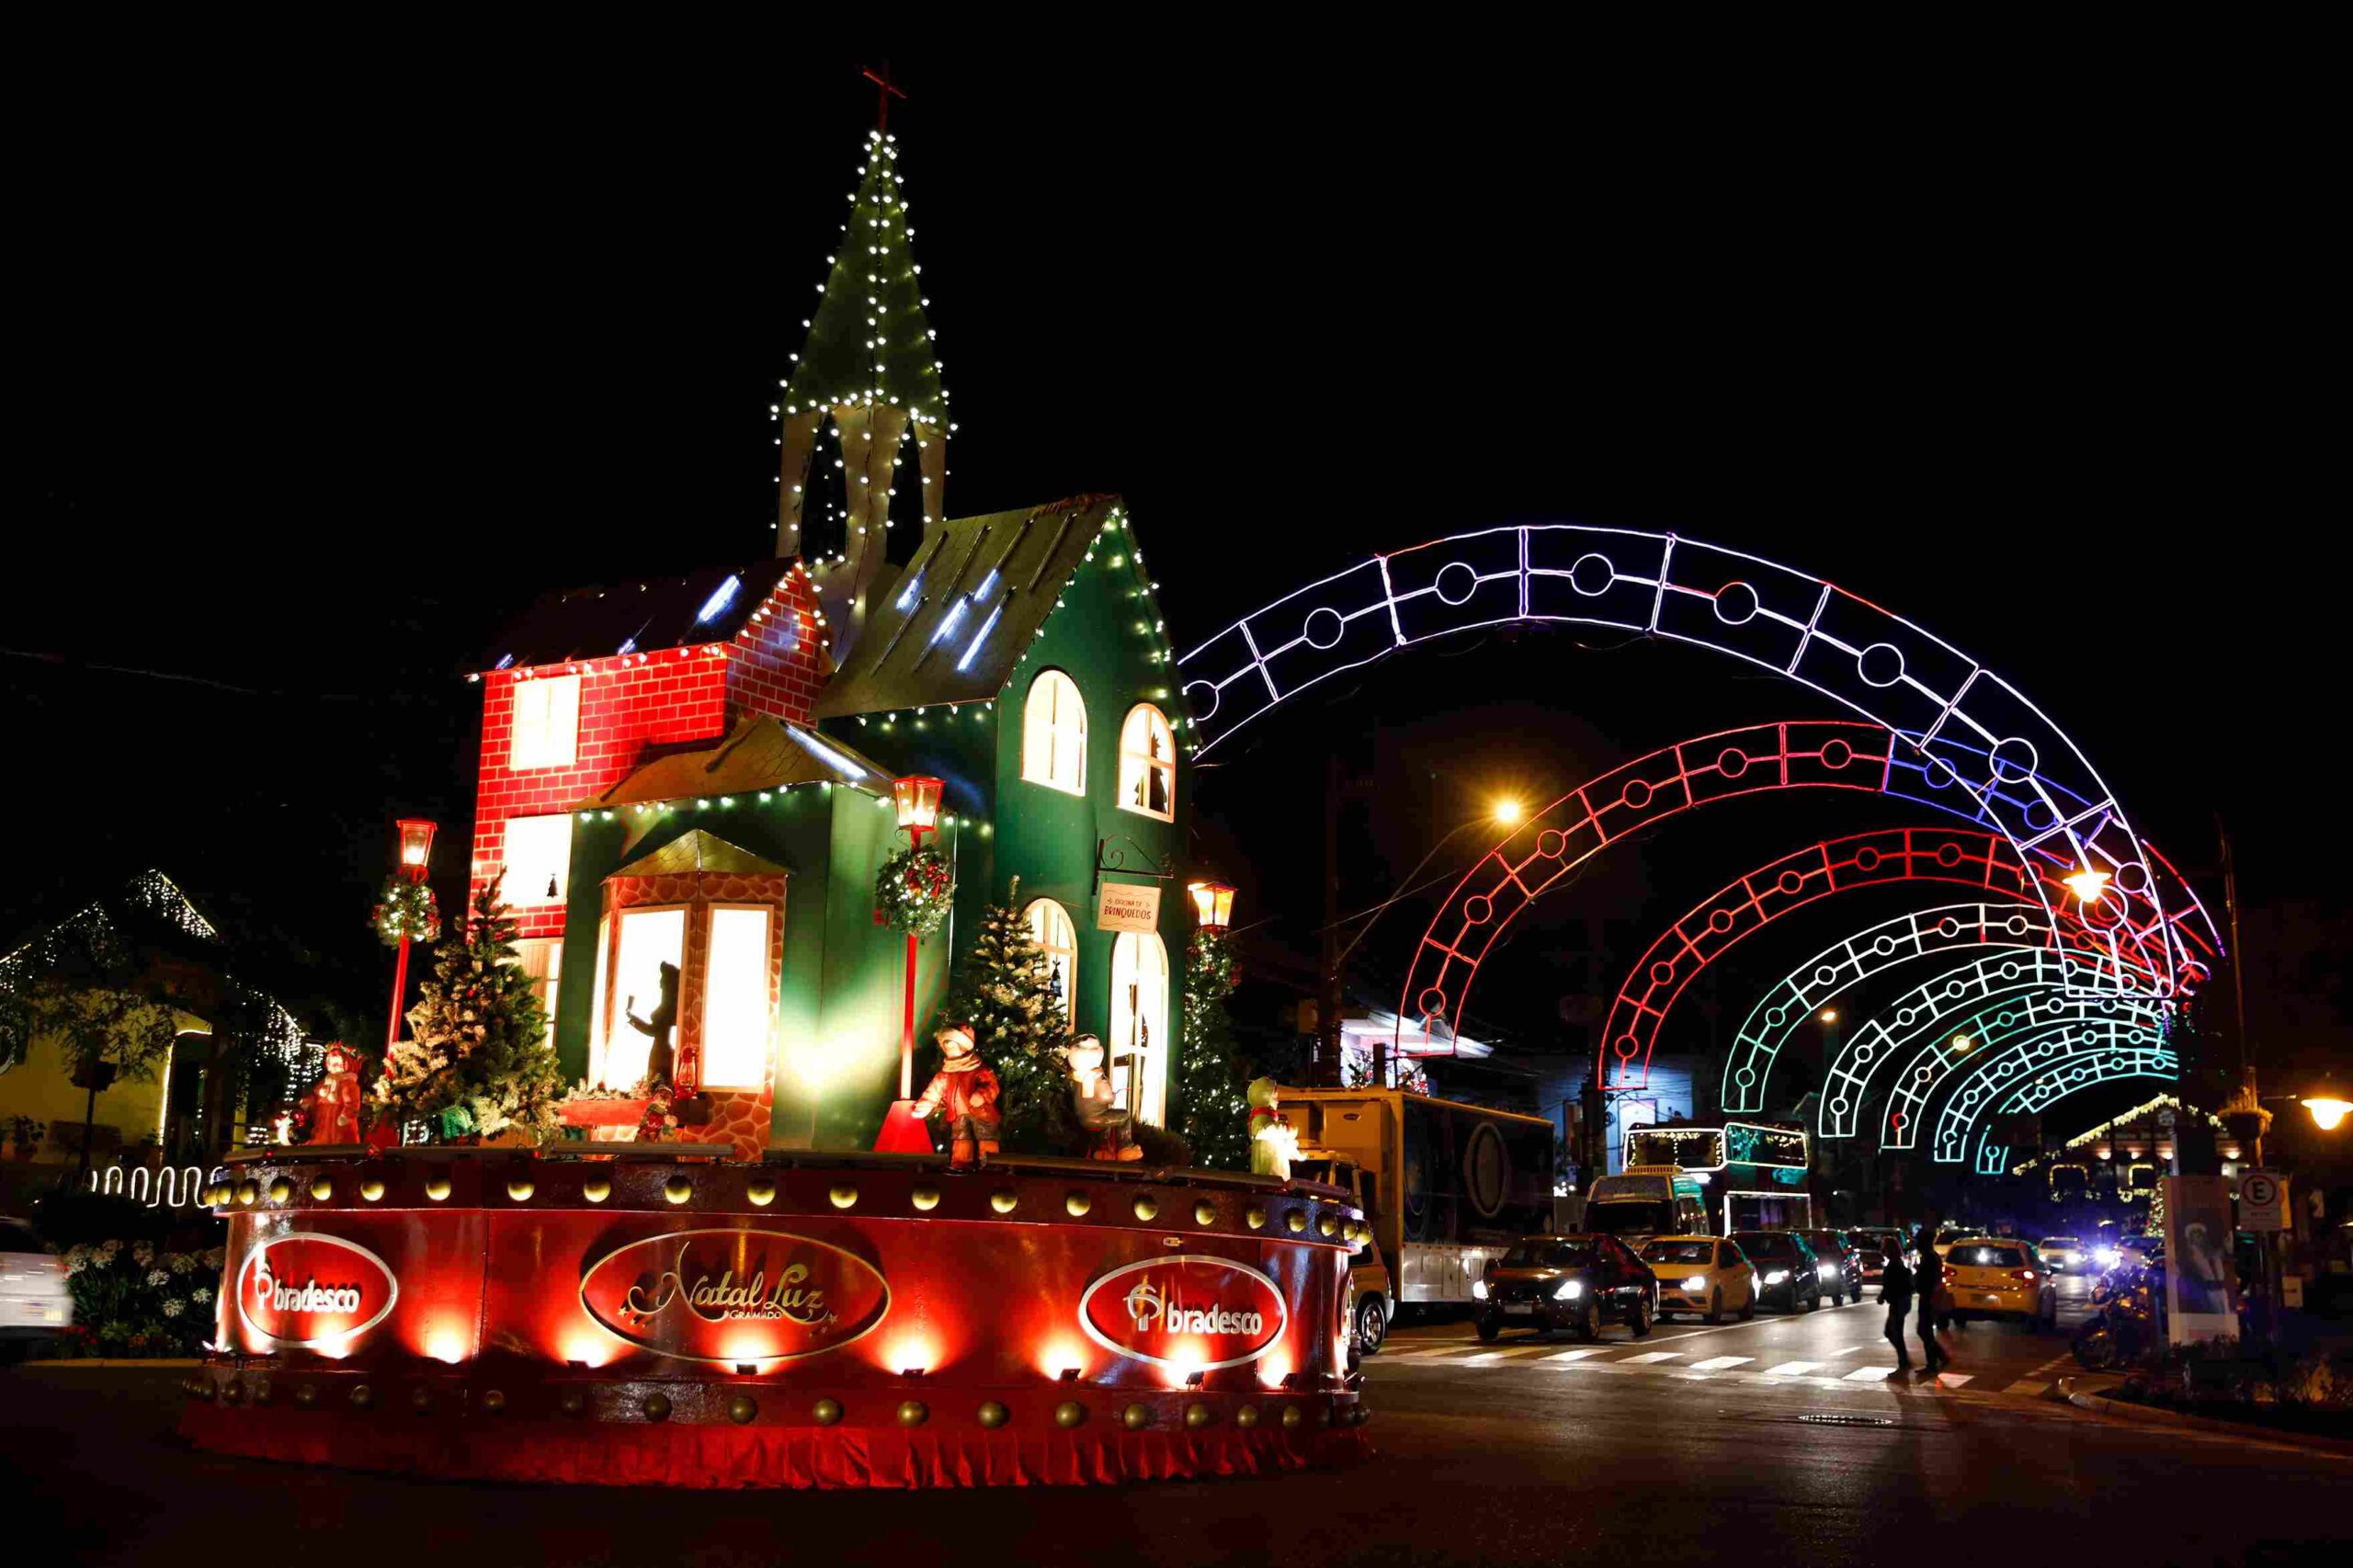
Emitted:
pixel 992 1415
pixel 1293 1417
pixel 574 1403
pixel 1256 1218
pixel 362 1396
pixel 1197 1416
pixel 372 1188
pixel 437 1188
pixel 656 1407
pixel 322 1189
pixel 1246 1417
pixel 596 1189
pixel 1327 1225
pixel 1069 1414
pixel 248 1190
pixel 843 1195
pixel 925 1198
pixel 520 1189
pixel 306 1395
pixel 1005 1200
pixel 1147 1206
pixel 761 1191
pixel 827 1412
pixel 1296 1220
pixel 741 1408
pixel 913 1413
pixel 1204 1212
pixel 1077 1204
pixel 677 1189
pixel 1136 1417
pixel 493 1400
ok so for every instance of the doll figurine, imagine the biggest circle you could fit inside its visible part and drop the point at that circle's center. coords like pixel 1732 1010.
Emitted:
pixel 1092 1097
pixel 967 1091
pixel 1273 1141
pixel 335 1099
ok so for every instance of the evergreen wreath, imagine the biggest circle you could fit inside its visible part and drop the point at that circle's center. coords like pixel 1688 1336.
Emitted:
pixel 406 909
pixel 913 890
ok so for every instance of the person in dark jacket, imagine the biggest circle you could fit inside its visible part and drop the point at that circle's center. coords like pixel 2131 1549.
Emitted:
pixel 1896 1292
pixel 1928 1274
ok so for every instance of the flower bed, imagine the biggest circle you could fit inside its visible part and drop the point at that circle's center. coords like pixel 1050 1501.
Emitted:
pixel 135 1299
pixel 2312 1396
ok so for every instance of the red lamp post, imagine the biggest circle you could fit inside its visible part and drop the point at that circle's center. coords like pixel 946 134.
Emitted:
pixel 918 799
pixel 417 851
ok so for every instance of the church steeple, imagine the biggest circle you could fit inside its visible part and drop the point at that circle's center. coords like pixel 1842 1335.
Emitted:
pixel 869 376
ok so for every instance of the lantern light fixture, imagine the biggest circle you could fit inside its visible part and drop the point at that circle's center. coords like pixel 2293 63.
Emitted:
pixel 417 847
pixel 1212 904
pixel 918 799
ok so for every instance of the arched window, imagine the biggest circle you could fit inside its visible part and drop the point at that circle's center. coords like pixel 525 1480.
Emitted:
pixel 1051 928
pixel 1148 764
pixel 1054 734
pixel 1138 1047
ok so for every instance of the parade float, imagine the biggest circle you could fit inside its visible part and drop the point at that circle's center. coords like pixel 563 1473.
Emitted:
pixel 741 1249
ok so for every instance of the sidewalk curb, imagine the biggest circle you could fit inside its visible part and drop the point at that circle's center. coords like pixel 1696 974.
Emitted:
pixel 97 1361
pixel 2156 1415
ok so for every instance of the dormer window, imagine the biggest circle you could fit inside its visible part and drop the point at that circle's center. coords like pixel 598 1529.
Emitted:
pixel 1148 764
pixel 547 724
pixel 1054 734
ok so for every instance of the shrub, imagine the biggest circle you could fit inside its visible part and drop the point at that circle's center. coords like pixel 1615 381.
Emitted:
pixel 135 1299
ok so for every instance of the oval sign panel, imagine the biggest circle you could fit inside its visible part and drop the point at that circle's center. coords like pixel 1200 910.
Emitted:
pixel 305 1289
pixel 1187 1312
pixel 730 1296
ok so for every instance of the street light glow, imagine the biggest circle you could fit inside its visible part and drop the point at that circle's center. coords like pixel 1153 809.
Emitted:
pixel 1830 1014
pixel 1507 810
pixel 2328 1112
pixel 2087 884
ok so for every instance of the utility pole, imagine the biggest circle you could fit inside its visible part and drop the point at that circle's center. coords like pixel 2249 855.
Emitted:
pixel 1327 1020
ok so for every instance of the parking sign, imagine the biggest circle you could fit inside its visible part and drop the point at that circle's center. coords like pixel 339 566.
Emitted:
pixel 2263 1201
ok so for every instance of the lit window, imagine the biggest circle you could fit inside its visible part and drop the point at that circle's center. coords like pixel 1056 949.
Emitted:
pixel 1139 1043
pixel 541 958
pixel 1050 925
pixel 603 979
pixel 1054 734
pixel 735 999
pixel 650 941
pixel 1148 764
pixel 547 724
pixel 539 860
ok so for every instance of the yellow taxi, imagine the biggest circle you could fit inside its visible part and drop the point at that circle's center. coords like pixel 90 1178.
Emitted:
pixel 1707 1274
pixel 1998 1276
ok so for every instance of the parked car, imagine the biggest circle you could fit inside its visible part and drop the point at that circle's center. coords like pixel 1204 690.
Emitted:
pixel 1576 1282
pixel 1707 1274
pixel 1993 1277
pixel 1844 1278
pixel 2063 1255
pixel 1787 1274
pixel 35 1306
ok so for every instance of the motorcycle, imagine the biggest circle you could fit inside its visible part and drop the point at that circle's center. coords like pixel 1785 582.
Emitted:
pixel 2124 1329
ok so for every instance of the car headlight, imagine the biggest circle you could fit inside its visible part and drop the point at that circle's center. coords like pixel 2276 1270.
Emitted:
pixel 1697 1282
pixel 1478 1290
pixel 2107 1258
pixel 1825 1270
pixel 1779 1276
pixel 1569 1291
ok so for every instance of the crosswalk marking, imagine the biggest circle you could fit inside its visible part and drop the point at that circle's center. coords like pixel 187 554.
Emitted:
pixel 1652 1355
pixel 1576 1355
pixel 1791 1368
pixel 1952 1379
pixel 1718 1363
pixel 1869 1374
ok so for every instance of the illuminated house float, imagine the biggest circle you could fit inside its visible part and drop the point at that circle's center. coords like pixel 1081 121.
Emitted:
pixel 687 790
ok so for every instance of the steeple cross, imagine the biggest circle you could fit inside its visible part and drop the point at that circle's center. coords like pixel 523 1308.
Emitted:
pixel 886 90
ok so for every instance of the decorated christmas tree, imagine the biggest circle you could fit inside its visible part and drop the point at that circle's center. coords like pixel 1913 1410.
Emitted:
pixel 479 1063
pixel 1209 1074
pixel 1006 991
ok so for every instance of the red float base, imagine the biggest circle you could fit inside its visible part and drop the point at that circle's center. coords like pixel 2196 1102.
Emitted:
pixel 728 1457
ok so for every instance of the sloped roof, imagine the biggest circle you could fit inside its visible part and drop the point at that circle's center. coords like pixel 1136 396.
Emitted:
pixel 637 617
pixel 965 608
pixel 870 340
pixel 759 754
pixel 701 852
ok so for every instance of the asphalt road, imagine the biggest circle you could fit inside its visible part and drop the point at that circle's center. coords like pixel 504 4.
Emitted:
pixel 1750 1443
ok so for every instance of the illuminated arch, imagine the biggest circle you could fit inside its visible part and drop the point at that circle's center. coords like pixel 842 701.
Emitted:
pixel 1990 1032
pixel 1926 1014
pixel 1967 856
pixel 2043 1067
pixel 2032 782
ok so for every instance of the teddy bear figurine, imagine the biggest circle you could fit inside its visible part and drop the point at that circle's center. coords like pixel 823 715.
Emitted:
pixel 967 1091
pixel 1274 1143
pixel 1093 1098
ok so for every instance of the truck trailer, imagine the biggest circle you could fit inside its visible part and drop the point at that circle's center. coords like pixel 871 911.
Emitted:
pixel 1447 1188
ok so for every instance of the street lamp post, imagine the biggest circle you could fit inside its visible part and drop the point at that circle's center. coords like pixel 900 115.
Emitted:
pixel 918 799
pixel 416 851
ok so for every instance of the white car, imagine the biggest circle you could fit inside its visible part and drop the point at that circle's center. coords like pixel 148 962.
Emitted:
pixel 35 1305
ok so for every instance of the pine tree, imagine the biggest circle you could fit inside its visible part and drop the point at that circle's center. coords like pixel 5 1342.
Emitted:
pixel 1007 991
pixel 1209 1069
pixel 479 1059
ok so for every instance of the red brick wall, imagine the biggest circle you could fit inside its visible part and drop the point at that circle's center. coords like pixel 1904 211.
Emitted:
pixel 628 704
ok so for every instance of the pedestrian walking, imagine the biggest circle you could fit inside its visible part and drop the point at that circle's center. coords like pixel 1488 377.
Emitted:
pixel 1895 1294
pixel 1928 1275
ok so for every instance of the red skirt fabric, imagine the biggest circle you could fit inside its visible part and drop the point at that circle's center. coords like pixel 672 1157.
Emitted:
pixel 603 1454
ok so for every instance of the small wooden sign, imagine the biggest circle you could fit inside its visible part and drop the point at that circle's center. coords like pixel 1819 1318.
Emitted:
pixel 1122 907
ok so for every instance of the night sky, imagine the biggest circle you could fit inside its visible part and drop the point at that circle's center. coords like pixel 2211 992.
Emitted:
pixel 316 387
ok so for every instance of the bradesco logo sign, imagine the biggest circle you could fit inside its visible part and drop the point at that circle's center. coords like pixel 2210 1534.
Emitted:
pixel 731 1296
pixel 305 1289
pixel 1187 1312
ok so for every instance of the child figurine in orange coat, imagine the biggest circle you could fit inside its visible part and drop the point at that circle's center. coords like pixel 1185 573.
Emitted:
pixel 335 1099
pixel 967 1091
